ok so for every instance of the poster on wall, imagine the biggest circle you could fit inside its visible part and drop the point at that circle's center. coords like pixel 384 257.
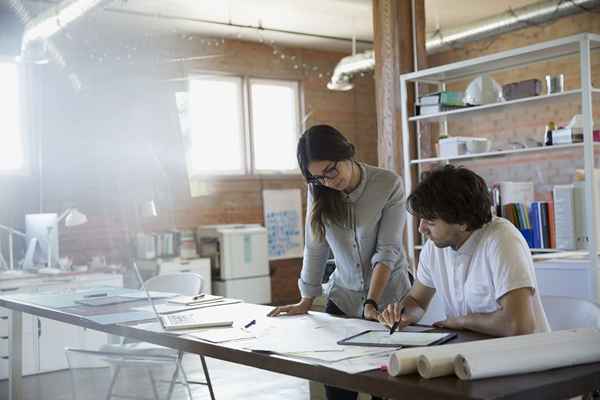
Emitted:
pixel 283 220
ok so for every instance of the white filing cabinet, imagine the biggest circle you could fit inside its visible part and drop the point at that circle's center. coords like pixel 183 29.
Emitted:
pixel 567 277
pixel 200 266
pixel 44 340
pixel 240 257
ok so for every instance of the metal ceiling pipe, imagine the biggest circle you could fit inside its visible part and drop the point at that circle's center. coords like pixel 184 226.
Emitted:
pixel 342 74
pixel 537 13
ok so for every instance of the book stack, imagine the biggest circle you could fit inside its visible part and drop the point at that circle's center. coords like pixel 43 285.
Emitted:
pixel 438 102
pixel 560 222
pixel 541 215
pixel 517 214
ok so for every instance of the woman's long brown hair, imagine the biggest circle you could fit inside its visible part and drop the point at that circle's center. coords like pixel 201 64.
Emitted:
pixel 324 143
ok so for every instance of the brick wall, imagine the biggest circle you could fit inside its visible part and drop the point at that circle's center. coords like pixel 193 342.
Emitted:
pixel 523 124
pixel 98 143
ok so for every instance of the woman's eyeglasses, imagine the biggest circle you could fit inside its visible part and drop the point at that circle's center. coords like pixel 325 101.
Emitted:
pixel 329 173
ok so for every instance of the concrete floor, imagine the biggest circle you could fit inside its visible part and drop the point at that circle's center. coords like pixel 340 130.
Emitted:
pixel 230 382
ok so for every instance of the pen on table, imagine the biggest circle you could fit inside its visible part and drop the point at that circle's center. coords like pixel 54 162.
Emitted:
pixel 249 324
pixel 201 295
pixel 96 295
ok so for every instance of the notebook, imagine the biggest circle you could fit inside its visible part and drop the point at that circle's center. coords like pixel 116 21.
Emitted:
pixel 173 322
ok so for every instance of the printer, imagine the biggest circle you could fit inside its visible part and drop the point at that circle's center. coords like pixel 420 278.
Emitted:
pixel 239 260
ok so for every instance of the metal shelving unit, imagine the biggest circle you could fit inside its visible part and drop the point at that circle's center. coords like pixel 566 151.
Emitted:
pixel 503 153
pixel 579 45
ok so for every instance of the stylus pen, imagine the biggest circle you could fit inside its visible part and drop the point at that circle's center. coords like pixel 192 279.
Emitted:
pixel 394 327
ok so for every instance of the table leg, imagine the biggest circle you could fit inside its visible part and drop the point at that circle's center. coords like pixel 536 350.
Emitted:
pixel 15 354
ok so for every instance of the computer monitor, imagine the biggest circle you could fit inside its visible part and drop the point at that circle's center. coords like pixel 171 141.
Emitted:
pixel 36 227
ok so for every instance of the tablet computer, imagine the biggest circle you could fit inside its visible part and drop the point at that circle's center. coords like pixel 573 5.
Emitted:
pixel 382 338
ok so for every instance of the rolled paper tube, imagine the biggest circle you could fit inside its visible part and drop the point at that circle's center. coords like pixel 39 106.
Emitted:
pixel 470 365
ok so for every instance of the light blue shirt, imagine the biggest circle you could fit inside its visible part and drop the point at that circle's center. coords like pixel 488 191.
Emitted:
pixel 378 215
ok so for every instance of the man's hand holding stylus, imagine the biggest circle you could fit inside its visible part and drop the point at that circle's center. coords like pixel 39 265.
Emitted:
pixel 405 312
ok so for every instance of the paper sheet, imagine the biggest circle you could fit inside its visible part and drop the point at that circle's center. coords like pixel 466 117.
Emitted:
pixel 221 335
pixel 580 349
pixel 358 365
pixel 169 308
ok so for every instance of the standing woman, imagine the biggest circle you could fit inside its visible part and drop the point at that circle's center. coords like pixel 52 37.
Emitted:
pixel 358 212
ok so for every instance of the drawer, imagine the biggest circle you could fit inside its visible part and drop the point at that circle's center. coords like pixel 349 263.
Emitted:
pixel 3 346
pixel 28 322
pixel 198 265
pixel 4 368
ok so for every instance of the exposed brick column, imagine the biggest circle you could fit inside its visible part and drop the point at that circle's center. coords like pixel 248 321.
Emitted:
pixel 393 41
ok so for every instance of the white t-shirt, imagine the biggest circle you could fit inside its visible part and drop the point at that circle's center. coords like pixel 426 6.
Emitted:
pixel 494 260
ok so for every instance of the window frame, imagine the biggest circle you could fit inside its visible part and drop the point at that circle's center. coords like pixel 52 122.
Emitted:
pixel 24 124
pixel 298 111
pixel 250 171
pixel 223 77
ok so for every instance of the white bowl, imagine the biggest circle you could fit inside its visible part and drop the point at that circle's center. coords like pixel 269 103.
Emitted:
pixel 475 146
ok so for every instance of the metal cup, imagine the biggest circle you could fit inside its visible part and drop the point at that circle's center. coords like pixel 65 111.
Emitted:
pixel 555 83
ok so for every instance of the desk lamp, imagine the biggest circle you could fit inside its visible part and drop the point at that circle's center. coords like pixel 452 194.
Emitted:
pixel 11 232
pixel 72 217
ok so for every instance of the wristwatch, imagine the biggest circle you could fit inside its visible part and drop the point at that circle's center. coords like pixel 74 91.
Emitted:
pixel 371 302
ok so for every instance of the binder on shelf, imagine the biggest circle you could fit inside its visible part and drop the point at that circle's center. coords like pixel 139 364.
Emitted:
pixel 536 225
pixel 544 225
pixel 564 216
pixel 551 225
pixel 528 235
pixel 518 215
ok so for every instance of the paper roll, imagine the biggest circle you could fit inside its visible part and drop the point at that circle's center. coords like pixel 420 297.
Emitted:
pixel 436 365
pixel 438 360
pixel 403 362
pixel 581 349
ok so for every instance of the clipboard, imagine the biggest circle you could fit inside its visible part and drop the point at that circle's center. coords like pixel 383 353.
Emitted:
pixel 382 338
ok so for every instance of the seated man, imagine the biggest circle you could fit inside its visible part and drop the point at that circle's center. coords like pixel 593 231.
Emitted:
pixel 479 265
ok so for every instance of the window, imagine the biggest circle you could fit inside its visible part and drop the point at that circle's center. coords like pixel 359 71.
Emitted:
pixel 275 110
pixel 12 151
pixel 219 140
pixel 217 146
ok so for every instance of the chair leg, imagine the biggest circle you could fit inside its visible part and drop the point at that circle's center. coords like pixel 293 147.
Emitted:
pixel 207 377
pixel 113 380
pixel 174 377
pixel 72 374
pixel 153 383
pixel 186 382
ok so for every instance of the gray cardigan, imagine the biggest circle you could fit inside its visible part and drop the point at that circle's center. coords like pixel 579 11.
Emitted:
pixel 378 212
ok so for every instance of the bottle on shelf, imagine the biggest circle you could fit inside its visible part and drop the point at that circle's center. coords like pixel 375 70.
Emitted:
pixel 548 134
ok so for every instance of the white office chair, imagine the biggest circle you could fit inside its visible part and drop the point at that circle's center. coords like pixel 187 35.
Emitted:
pixel 147 355
pixel 570 312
